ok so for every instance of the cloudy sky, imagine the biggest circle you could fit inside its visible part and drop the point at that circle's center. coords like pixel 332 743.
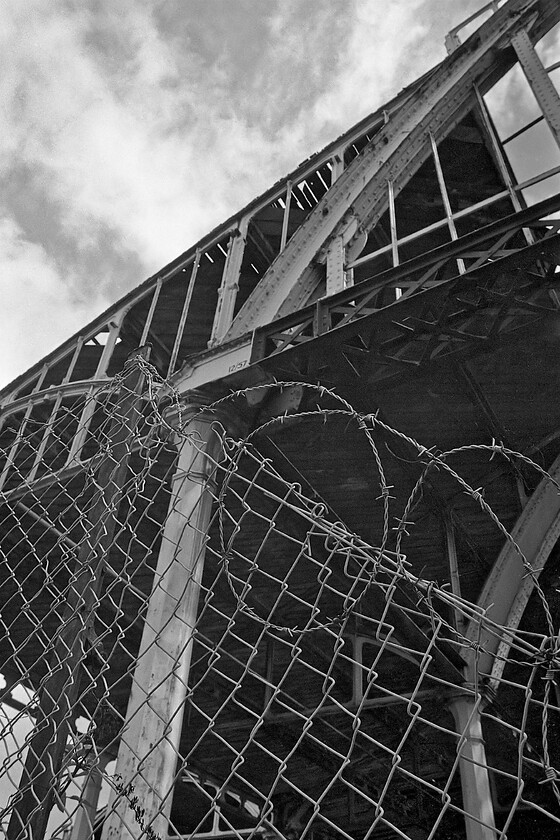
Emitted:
pixel 132 127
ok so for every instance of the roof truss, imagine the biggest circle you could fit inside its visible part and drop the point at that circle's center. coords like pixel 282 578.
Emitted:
pixel 361 194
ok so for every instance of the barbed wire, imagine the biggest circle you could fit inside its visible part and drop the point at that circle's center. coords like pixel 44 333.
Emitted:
pixel 293 605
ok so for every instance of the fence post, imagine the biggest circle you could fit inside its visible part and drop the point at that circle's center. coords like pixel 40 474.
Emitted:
pixel 84 819
pixel 149 748
pixel 60 691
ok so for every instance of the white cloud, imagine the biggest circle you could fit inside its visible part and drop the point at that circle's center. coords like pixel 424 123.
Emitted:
pixel 39 309
pixel 124 142
pixel 373 70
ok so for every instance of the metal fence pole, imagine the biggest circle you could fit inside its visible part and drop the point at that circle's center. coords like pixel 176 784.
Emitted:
pixel 58 697
pixel 149 749
pixel 84 820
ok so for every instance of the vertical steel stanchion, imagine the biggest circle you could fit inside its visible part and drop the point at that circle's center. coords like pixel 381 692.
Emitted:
pixel 149 748
pixel 475 779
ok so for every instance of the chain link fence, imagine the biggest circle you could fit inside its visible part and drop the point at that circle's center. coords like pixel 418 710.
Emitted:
pixel 193 645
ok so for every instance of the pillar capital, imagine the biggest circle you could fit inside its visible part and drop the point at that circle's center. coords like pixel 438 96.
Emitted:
pixel 196 411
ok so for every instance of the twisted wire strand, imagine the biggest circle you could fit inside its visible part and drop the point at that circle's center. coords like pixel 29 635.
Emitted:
pixel 46 532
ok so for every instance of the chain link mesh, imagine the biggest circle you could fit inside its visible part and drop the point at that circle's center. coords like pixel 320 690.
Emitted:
pixel 192 643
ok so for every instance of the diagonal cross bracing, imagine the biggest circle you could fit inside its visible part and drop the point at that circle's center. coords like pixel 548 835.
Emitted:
pixel 359 196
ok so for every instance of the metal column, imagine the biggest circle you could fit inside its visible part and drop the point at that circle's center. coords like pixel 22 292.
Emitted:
pixel 227 293
pixel 475 781
pixel 149 749
pixel 335 266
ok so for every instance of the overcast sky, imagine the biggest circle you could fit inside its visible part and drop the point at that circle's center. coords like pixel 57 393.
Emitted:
pixel 132 127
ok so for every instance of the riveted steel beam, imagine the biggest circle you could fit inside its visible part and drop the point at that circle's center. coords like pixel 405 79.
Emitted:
pixel 335 266
pixel 230 283
pixel 539 80
pixel 359 196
